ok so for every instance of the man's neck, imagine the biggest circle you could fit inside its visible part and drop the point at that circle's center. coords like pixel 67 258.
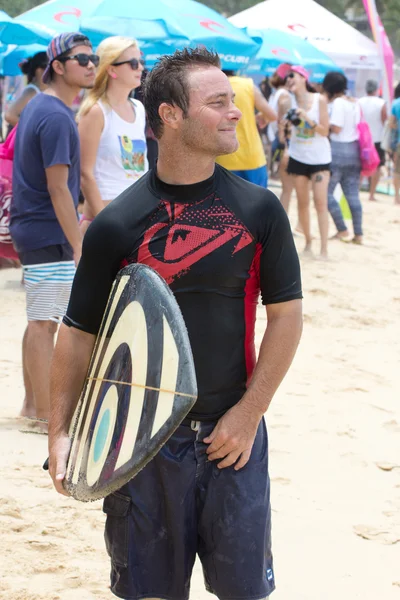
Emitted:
pixel 178 167
pixel 63 92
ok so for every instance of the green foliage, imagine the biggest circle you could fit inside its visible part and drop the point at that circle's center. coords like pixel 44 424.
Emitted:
pixel 16 7
pixel 229 7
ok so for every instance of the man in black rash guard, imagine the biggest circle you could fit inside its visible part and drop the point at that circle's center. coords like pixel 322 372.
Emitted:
pixel 218 241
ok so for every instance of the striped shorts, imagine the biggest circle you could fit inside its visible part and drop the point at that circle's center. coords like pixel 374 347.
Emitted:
pixel 48 277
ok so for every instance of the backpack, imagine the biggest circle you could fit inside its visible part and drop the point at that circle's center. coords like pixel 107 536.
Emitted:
pixel 369 156
pixel 6 165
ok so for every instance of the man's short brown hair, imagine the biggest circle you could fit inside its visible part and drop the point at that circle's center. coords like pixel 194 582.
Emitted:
pixel 168 82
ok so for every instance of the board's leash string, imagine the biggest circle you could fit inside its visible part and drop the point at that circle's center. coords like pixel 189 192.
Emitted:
pixel 144 387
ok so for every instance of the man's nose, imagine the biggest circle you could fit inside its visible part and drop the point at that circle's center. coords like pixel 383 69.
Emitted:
pixel 235 113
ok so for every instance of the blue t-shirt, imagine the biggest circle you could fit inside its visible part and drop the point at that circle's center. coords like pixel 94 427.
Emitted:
pixel 47 135
pixel 396 113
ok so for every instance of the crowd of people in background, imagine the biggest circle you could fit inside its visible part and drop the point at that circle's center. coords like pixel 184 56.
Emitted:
pixel 316 145
pixel 83 139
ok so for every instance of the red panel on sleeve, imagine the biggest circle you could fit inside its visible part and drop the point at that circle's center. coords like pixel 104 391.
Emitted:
pixel 252 292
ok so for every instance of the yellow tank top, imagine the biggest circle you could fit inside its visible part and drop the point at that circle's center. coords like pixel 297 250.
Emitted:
pixel 250 154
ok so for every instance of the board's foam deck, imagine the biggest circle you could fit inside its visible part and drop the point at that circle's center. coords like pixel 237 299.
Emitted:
pixel 80 412
pixel 119 426
pixel 139 353
pixel 169 377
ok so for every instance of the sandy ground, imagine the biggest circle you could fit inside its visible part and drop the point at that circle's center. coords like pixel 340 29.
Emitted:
pixel 334 433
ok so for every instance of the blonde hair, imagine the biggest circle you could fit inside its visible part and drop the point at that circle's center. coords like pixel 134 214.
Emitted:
pixel 109 51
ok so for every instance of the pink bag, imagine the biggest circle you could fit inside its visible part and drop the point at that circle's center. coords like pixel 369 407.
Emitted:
pixel 369 156
pixel 6 165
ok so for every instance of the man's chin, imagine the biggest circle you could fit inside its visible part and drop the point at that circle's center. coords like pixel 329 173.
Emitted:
pixel 228 148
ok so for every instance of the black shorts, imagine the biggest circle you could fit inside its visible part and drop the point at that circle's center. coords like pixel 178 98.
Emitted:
pixel 181 505
pixel 296 167
pixel 381 154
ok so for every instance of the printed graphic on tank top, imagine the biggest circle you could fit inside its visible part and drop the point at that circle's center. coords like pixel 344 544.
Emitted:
pixel 133 154
pixel 306 144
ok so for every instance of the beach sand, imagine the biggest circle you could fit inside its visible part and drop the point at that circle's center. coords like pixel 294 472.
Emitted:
pixel 334 430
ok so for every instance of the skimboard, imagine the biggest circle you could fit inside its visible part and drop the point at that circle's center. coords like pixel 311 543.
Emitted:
pixel 139 387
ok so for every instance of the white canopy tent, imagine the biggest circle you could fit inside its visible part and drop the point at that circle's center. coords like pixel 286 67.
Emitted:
pixel 348 48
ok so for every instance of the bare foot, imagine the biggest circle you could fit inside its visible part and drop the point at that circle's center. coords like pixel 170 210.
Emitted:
pixel 323 256
pixel 340 235
pixel 397 201
pixel 307 252
pixel 42 427
pixel 39 425
pixel 28 409
pixel 35 427
pixel 372 199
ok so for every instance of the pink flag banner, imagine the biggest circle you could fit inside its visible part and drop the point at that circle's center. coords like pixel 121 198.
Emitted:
pixel 384 47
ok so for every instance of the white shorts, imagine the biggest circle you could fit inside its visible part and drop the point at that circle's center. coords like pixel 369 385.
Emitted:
pixel 48 276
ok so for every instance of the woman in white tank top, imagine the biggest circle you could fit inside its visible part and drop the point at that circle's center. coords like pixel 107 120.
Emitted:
pixel 112 128
pixel 310 155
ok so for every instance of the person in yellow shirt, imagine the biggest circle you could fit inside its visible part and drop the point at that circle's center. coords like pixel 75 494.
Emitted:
pixel 249 160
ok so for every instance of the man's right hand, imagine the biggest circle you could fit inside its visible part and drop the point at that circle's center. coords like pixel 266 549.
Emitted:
pixel 77 255
pixel 59 452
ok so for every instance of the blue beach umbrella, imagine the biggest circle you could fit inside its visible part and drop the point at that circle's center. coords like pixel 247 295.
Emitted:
pixel 158 24
pixel 281 47
pixel 15 32
pixel 11 56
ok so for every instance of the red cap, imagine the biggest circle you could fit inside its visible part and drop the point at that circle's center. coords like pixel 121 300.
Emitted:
pixel 283 70
pixel 301 71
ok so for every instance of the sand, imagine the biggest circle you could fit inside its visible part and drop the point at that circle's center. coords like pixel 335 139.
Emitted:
pixel 334 430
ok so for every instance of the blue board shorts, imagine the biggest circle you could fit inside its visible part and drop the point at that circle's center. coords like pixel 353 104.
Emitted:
pixel 258 176
pixel 181 505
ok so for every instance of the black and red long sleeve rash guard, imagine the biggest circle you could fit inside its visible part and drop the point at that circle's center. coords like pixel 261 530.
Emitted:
pixel 218 244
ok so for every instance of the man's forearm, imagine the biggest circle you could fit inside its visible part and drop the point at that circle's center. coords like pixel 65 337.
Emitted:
pixel 68 371
pixel 277 351
pixel 91 193
pixel 64 208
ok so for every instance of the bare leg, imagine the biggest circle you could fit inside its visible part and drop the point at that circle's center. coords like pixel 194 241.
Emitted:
pixel 39 352
pixel 28 407
pixel 396 184
pixel 302 185
pixel 374 183
pixel 320 182
pixel 287 182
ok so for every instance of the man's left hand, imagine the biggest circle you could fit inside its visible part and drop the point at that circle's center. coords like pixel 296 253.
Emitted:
pixel 233 437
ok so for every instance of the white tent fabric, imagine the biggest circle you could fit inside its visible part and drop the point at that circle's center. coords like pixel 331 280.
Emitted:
pixel 347 47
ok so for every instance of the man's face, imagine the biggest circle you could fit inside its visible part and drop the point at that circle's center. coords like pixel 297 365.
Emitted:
pixel 75 75
pixel 210 125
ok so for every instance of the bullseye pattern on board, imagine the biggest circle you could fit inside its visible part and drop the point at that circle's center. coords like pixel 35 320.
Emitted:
pixel 140 385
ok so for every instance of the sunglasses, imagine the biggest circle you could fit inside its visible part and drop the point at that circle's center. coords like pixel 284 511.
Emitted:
pixel 83 59
pixel 133 62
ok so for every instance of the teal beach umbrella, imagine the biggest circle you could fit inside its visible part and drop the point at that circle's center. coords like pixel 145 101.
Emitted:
pixel 280 47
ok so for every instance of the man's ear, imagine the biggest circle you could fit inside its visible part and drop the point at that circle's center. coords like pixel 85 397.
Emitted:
pixel 170 115
pixel 58 67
